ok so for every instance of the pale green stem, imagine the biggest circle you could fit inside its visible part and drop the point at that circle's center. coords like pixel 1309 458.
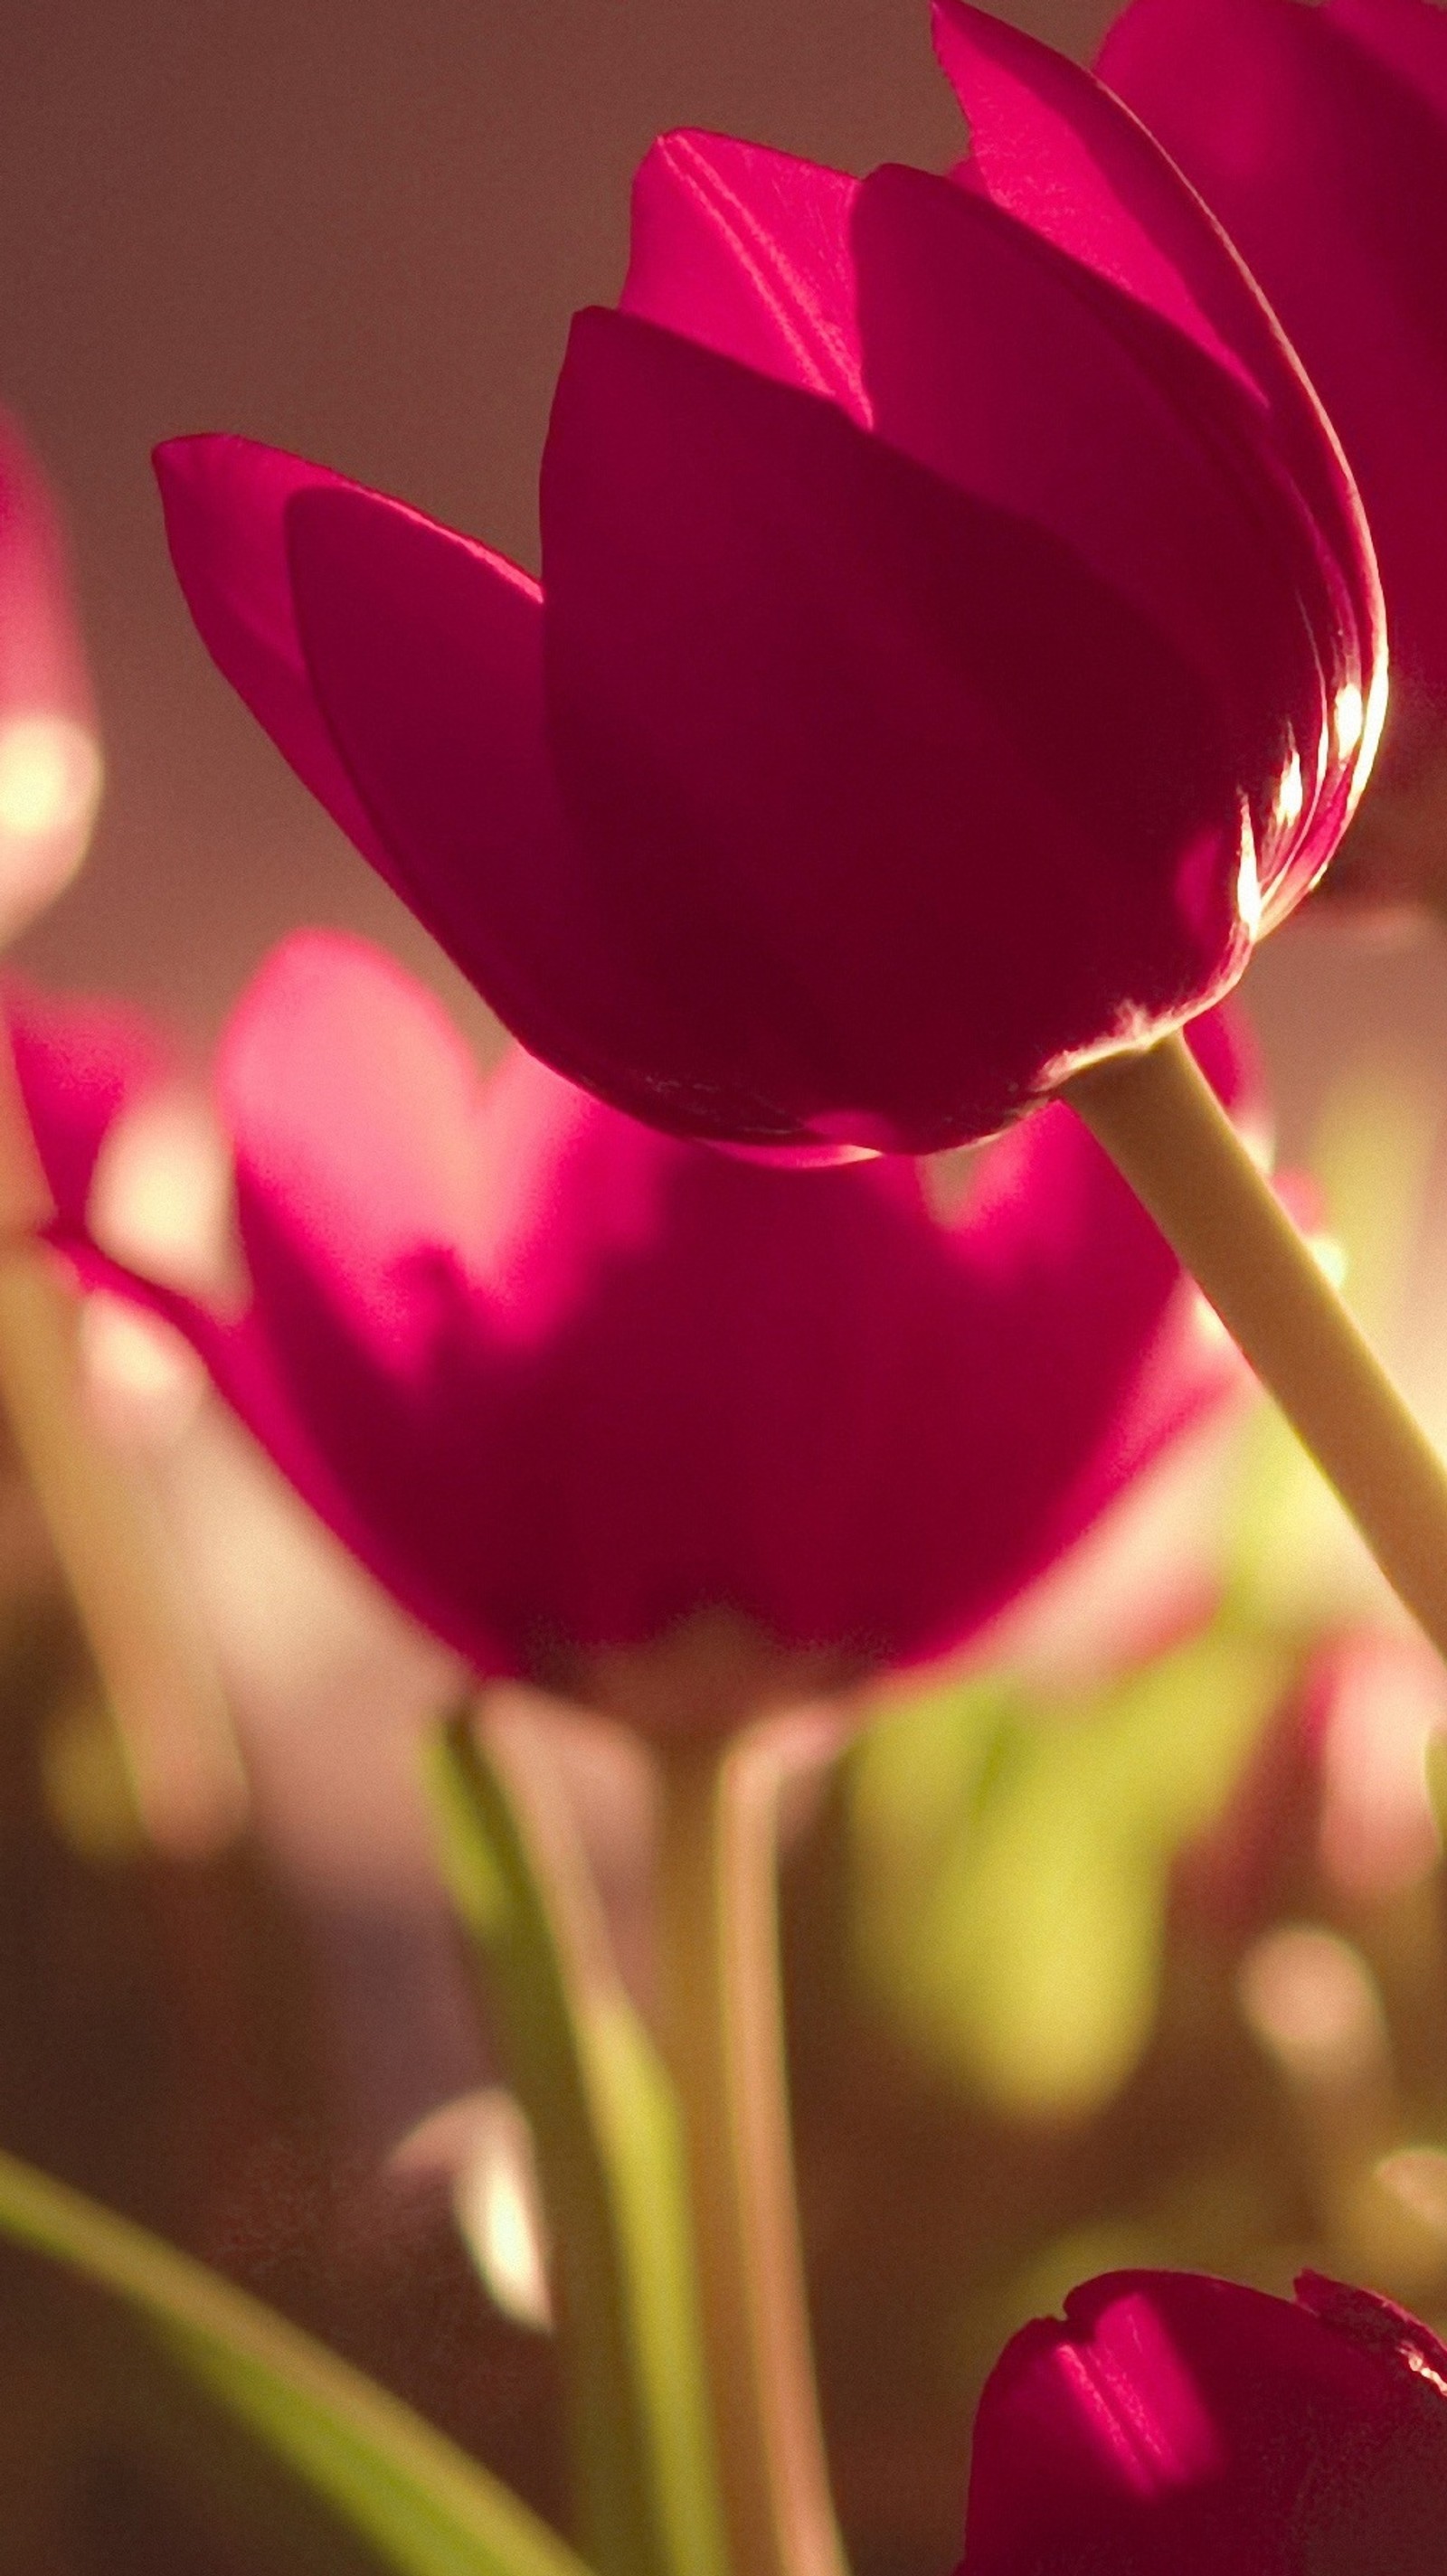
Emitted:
pixel 723 2037
pixel 606 2133
pixel 1162 1125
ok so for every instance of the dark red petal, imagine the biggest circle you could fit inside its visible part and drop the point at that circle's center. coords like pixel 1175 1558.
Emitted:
pixel 1052 146
pixel 997 361
pixel 225 501
pixel 426 653
pixel 1331 175
pixel 1178 2426
pixel 898 804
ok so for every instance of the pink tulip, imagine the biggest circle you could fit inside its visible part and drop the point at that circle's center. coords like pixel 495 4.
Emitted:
pixel 1319 137
pixel 49 760
pixel 563 1383
pixel 1178 2426
pixel 958 637
pixel 82 1064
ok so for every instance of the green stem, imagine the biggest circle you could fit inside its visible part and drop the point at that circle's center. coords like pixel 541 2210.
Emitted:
pixel 605 2129
pixel 723 2033
pixel 1162 1125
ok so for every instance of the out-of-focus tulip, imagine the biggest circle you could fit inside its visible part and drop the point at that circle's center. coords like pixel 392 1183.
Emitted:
pixel 87 1061
pixel 49 757
pixel 566 1385
pixel 958 637
pixel 1319 137
pixel 1179 2426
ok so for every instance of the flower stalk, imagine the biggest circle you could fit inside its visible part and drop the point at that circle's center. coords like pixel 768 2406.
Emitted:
pixel 1164 1130
pixel 718 1923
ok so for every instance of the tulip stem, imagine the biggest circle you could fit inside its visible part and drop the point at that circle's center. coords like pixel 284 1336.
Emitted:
pixel 606 2130
pixel 723 2036
pixel 1164 1129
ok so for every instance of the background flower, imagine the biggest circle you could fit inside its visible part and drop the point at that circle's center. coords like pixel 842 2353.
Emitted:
pixel 1175 2423
pixel 563 1383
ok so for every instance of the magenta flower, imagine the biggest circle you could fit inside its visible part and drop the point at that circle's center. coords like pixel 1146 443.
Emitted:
pixel 562 1382
pixel 958 637
pixel 1178 2426
pixel 1319 137
pixel 49 759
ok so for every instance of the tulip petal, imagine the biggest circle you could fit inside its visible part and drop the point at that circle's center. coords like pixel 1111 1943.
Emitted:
pixel 903 765
pixel 42 664
pixel 747 250
pixel 1050 145
pixel 1183 2425
pixel 1331 177
pixel 1048 407
pixel 1406 36
pixel 79 1064
pixel 225 501
pixel 578 1381
pixel 425 650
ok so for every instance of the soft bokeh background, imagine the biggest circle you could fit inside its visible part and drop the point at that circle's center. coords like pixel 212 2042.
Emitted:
pixel 359 230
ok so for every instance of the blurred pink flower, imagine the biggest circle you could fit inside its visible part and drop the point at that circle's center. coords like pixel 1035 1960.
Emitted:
pixel 49 759
pixel 565 1384
pixel 84 1063
pixel 1180 2426
pixel 958 637
pixel 1319 137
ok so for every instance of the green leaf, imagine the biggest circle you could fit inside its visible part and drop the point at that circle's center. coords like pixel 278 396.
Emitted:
pixel 609 2148
pixel 422 2504
pixel 1012 1863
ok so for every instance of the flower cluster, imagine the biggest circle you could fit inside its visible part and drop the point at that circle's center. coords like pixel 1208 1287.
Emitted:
pixel 959 640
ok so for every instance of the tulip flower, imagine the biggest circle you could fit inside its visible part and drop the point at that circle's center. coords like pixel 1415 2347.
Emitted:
pixel 957 639
pixel 49 759
pixel 1319 137
pixel 1179 2426
pixel 565 1384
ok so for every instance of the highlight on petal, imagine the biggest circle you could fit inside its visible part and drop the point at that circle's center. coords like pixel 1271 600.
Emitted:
pixel 747 250
pixel 1051 145
pixel 1176 2423
pixel 349 1100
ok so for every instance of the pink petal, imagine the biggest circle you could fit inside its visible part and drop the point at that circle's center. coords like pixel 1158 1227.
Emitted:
pixel 425 650
pixel 42 664
pixel 79 1063
pixel 1014 373
pixel 349 1096
pixel 365 1364
pixel 1406 36
pixel 860 763
pixel 1177 2426
pixel 1050 145
pixel 225 502
pixel 1331 177
pixel 747 251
